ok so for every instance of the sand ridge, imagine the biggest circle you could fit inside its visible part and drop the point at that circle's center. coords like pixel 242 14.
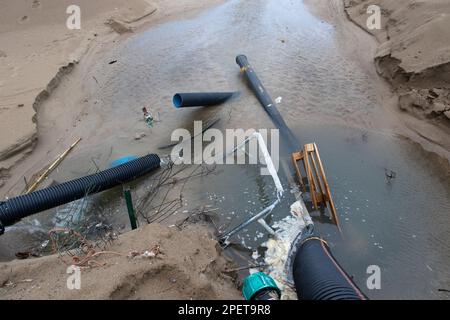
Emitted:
pixel 414 56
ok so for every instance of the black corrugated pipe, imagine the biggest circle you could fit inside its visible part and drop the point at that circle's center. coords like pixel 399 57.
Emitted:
pixel 267 102
pixel 14 209
pixel 318 276
pixel 201 99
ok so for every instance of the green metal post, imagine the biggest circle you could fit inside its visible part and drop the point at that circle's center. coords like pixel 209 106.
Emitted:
pixel 130 208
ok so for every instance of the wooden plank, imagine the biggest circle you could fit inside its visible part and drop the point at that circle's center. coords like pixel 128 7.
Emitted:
pixel 328 192
pixel 312 188
pixel 299 174
pixel 319 182
pixel 297 156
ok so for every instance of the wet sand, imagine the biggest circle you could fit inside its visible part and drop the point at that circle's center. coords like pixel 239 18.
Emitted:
pixel 106 100
pixel 37 51
pixel 303 57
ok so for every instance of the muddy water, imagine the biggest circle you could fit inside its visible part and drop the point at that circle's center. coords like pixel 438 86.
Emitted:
pixel 294 52
pixel 400 226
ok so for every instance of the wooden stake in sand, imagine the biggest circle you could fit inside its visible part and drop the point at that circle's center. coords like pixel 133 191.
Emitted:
pixel 52 167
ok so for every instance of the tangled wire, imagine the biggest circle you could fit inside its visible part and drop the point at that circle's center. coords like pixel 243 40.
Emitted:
pixel 72 245
pixel 162 184
pixel 74 249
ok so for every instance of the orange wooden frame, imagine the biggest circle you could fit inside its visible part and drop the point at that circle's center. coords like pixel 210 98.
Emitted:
pixel 317 181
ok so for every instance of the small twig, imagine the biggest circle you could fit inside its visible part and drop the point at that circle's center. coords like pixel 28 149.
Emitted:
pixel 51 167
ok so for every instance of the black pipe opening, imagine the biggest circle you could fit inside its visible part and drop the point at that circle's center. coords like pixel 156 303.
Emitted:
pixel 201 99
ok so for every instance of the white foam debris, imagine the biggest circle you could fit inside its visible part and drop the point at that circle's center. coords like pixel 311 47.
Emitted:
pixel 252 271
pixel 255 255
pixel 278 248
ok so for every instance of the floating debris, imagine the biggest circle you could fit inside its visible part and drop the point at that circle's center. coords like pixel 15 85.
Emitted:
pixel 390 175
pixel 279 247
pixel 148 117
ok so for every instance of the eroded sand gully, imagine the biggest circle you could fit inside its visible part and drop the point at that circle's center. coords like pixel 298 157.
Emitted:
pixel 317 61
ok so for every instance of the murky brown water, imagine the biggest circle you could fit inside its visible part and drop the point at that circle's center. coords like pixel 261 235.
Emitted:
pixel 401 226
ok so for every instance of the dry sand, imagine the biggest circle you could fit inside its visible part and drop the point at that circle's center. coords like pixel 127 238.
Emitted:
pixel 190 267
pixel 414 56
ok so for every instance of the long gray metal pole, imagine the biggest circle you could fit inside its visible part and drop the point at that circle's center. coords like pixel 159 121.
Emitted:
pixel 267 102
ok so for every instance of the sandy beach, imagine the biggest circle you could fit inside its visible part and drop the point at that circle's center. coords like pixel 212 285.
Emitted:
pixel 58 85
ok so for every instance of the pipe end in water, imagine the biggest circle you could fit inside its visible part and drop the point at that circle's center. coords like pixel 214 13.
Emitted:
pixel 177 100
